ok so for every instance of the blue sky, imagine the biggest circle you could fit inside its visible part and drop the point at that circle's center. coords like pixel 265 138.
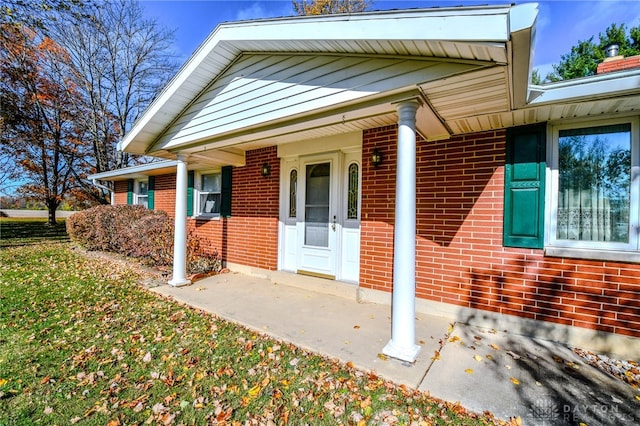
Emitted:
pixel 561 23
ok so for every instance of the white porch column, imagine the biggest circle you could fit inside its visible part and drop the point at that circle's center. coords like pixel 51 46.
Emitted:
pixel 403 328
pixel 180 227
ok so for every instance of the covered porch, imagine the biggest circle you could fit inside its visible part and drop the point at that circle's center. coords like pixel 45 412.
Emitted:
pixel 253 85
pixel 477 367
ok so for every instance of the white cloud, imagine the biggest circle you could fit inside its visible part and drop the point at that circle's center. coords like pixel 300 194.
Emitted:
pixel 268 9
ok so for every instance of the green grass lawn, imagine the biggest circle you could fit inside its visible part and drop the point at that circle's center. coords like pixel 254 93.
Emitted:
pixel 81 342
pixel 21 231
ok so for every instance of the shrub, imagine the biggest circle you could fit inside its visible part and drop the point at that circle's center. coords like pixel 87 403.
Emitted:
pixel 198 258
pixel 134 231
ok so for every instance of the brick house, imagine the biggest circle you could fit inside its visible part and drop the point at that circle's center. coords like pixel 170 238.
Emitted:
pixel 406 154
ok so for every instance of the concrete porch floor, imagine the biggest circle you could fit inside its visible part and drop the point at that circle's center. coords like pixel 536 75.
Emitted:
pixel 544 383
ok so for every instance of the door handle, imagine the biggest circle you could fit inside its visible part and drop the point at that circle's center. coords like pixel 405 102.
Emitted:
pixel 333 225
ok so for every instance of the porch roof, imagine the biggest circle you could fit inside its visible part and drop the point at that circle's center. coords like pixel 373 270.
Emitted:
pixel 235 92
pixel 136 172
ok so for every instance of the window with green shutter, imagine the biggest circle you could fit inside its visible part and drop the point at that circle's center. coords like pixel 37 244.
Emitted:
pixel 209 193
pixel 190 180
pixel 130 191
pixel 225 203
pixel 524 185
pixel 151 189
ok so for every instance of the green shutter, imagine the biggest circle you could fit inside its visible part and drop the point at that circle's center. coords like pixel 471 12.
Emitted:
pixel 130 191
pixel 225 202
pixel 190 179
pixel 151 192
pixel 524 177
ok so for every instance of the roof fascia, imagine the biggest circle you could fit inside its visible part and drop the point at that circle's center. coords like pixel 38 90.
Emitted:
pixel 522 19
pixel 594 87
pixel 132 171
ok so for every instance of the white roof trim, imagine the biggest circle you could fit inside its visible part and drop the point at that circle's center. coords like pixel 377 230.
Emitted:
pixel 133 170
pixel 593 87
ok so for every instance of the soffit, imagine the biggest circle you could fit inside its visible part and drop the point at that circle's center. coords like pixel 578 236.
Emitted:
pixel 590 97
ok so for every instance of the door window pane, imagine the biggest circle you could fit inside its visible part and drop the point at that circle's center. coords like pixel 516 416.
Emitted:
pixel 293 193
pixel 317 205
pixel 594 179
pixel 352 195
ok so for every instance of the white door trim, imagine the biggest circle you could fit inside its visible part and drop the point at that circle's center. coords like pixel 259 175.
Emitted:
pixel 345 251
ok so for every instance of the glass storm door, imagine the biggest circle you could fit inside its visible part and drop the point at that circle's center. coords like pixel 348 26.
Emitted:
pixel 318 224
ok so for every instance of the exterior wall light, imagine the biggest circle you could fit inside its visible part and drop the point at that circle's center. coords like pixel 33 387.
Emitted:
pixel 376 157
pixel 265 170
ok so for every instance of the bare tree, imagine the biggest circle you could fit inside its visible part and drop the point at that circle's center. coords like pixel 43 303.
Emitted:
pixel 121 61
pixel 36 14
pixel 328 7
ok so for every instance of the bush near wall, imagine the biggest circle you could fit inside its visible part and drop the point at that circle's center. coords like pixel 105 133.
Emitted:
pixel 132 231
pixel 136 232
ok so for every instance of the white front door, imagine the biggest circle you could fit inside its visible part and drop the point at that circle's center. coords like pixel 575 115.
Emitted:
pixel 318 224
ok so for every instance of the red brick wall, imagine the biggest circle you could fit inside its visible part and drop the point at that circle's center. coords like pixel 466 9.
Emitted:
pixel 460 258
pixel 250 235
pixel 618 64
pixel 120 190
pixel 165 194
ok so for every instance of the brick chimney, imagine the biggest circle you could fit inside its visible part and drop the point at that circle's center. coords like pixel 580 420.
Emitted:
pixel 614 62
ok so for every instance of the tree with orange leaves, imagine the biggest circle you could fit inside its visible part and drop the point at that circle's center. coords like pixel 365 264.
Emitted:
pixel 39 116
pixel 328 7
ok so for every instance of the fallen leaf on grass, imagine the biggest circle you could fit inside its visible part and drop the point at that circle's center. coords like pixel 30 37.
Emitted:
pixel 515 381
pixel 167 418
pixel 638 397
pixel 254 391
pixel 158 408
pixel 48 410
